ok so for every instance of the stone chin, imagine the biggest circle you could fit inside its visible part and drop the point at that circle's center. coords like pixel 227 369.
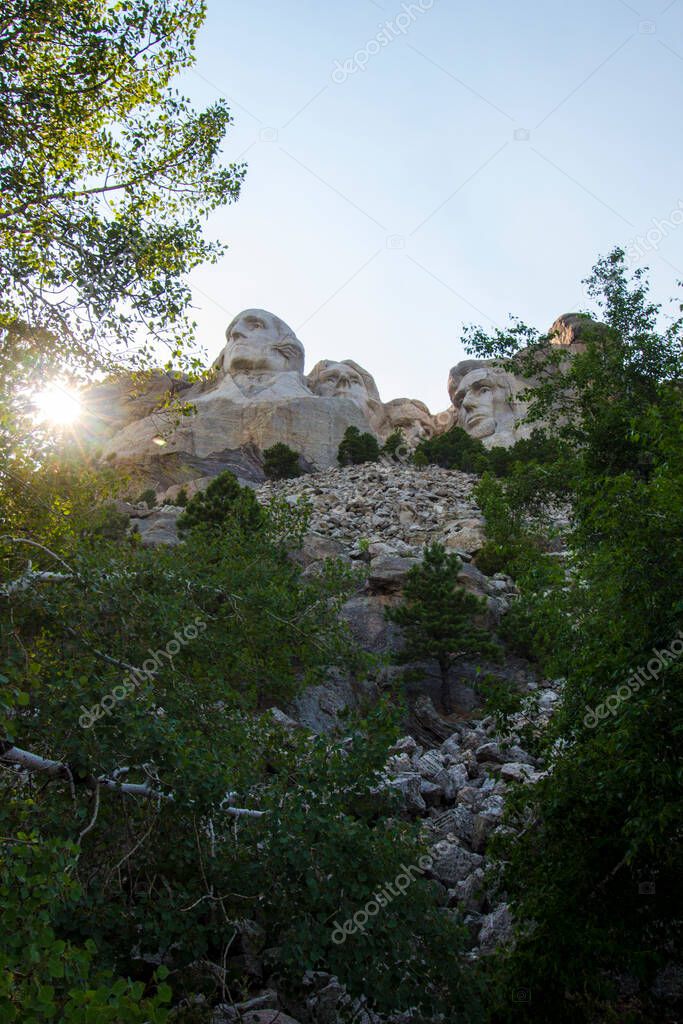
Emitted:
pixel 478 426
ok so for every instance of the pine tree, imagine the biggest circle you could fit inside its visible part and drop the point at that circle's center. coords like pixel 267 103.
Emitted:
pixel 356 448
pixel 437 617
pixel 280 462
pixel 223 500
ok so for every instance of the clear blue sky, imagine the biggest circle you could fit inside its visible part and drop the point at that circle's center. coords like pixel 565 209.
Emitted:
pixel 487 154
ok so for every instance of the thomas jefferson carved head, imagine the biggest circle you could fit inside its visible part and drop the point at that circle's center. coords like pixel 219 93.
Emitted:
pixel 342 380
pixel 483 397
pixel 411 417
pixel 258 342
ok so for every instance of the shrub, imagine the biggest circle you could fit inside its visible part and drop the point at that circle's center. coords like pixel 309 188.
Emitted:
pixel 223 502
pixel 437 617
pixel 281 462
pixel 181 498
pixel 492 558
pixel 357 448
pixel 148 498
pixel 454 450
pixel 395 444
pixel 44 978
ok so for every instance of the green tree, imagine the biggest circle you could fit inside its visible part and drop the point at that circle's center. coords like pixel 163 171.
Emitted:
pixel 395 444
pixel 356 448
pixel 106 173
pixel 454 450
pixel 280 462
pixel 224 501
pixel 593 873
pixel 437 617
pixel 148 497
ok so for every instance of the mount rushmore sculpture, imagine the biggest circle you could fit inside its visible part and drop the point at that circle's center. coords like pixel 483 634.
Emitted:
pixel 257 394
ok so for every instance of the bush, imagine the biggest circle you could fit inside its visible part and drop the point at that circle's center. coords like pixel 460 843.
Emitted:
pixel 44 978
pixel 181 498
pixel 148 498
pixel 492 558
pixel 454 450
pixel 357 448
pixel 223 502
pixel 281 462
pixel 437 617
pixel 395 444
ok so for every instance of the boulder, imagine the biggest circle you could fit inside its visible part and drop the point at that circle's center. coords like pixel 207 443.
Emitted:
pixel 513 771
pixel 469 537
pixel 496 928
pixel 455 865
pixel 158 527
pixel 409 785
pixel 388 572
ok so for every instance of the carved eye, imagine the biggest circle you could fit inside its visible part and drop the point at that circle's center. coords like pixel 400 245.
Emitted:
pixel 255 325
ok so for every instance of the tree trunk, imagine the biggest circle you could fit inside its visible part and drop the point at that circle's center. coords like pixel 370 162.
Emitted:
pixel 445 690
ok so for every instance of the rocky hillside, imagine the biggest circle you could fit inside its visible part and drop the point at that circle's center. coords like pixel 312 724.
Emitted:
pixel 390 503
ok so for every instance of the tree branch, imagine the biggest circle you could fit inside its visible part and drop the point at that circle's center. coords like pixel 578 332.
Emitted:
pixel 58 769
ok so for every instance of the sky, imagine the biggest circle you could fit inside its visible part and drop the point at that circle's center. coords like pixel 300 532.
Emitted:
pixel 414 167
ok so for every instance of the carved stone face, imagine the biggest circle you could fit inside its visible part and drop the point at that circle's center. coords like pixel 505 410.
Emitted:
pixel 483 400
pixel 259 342
pixel 411 417
pixel 342 380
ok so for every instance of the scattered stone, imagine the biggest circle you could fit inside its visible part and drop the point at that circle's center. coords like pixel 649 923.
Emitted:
pixel 455 865
pixel 515 772
pixel 496 929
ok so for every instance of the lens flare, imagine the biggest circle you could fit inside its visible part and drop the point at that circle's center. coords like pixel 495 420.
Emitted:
pixel 57 405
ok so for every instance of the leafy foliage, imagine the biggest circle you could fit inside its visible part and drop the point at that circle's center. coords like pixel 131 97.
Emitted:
pixel 106 173
pixel 280 462
pixel 224 502
pixel 395 445
pixel 437 617
pixel 453 450
pixel 44 978
pixel 332 847
pixel 593 875
pixel 456 449
pixel 169 878
pixel 356 448
pixel 148 497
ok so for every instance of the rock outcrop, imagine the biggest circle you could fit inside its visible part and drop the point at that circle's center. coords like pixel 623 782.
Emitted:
pixel 256 395
pixel 487 398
